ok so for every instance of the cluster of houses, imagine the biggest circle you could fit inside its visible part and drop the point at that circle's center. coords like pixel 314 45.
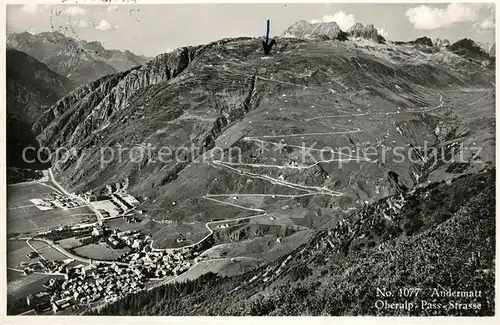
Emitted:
pixel 62 201
pixel 161 263
pixel 97 281
pixel 41 265
pixel 89 283
pixel 106 281
pixel 84 284
pixel 132 238
pixel 94 282
pixel 55 200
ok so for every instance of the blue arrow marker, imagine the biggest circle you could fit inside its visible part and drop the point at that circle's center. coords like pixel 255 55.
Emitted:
pixel 268 28
pixel 266 45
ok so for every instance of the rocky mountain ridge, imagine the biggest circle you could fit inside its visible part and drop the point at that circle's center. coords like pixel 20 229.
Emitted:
pixel 367 32
pixel 306 30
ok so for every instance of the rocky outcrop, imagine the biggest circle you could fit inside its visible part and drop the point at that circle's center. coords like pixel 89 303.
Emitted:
pixel 78 60
pixel 439 43
pixel 422 41
pixel 303 29
pixel 470 50
pixel 367 32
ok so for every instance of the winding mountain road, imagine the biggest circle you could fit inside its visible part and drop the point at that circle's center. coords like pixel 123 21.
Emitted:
pixel 310 190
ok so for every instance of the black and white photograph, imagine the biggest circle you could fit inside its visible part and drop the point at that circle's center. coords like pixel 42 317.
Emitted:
pixel 293 158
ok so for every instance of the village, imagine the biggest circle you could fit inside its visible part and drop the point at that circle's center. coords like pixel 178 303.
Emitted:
pixel 109 281
pixel 84 280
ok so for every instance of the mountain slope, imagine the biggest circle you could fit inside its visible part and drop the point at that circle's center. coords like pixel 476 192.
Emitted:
pixel 279 112
pixel 31 85
pixel 342 271
pixel 78 60
pixel 31 88
pixel 469 49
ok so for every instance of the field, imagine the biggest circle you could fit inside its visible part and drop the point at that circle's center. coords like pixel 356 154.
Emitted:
pixel 24 217
pixel 17 250
pixel 19 286
pixel 166 235
pixel 23 286
pixel 47 251
pixel 68 243
pixel 100 251
pixel 122 225
pixel 16 253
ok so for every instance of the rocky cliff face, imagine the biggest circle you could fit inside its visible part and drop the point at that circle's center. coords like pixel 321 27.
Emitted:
pixel 303 29
pixel 367 32
pixel 78 60
pixel 90 107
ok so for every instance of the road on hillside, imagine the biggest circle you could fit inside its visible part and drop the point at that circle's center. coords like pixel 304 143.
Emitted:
pixel 71 255
pixel 100 218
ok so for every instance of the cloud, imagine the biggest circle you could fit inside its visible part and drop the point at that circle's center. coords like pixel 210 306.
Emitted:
pixel 75 11
pixel 425 17
pixel 341 18
pixel 486 24
pixel 112 8
pixel 82 24
pixel 383 32
pixel 104 25
pixel 31 8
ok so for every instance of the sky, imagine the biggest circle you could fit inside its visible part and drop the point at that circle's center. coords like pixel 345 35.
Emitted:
pixel 151 29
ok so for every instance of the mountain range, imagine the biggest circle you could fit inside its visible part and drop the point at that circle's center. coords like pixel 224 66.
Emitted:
pixel 78 60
